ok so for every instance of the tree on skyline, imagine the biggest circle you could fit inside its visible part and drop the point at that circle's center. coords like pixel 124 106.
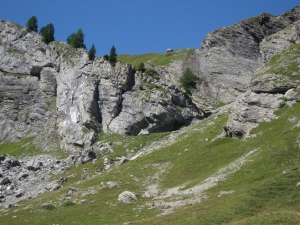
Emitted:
pixel 76 40
pixel 32 24
pixel 112 56
pixel 47 33
pixel 92 53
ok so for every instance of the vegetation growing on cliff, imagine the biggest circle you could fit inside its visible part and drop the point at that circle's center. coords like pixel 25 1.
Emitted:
pixel 47 33
pixel 92 53
pixel 76 40
pixel 32 24
pixel 285 63
pixel 112 56
pixel 188 80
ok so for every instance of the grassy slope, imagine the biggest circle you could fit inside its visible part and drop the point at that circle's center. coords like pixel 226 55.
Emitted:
pixel 158 59
pixel 262 193
pixel 25 147
pixel 285 64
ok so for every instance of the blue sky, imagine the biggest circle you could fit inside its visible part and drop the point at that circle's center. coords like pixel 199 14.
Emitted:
pixel 139 26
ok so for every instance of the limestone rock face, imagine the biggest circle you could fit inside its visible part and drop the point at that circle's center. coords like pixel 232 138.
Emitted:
pixel 293 95
pixel 280 53
pixel 249 110
pixel 282 40
pixel 55 93
pixel 275 81
pixel 228 57
pixel 131 102
pixel 127 197
pixel 28 82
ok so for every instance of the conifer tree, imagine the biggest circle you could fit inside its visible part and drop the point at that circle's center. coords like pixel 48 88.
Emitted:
pixel 76 40
pixel 32 24
pixel 92 53
pixel 141 67
pixel 47 33
pixel 112 56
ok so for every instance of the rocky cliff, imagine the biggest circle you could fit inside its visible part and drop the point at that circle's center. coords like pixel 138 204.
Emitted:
pixel 55 93
pixel 228 57
pixel 273 85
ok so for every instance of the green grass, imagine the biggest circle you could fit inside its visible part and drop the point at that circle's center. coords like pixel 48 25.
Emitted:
pixel 68 53
pixel 285 63
pixel 158 59
pixel 253 20
pixel 25 147
pixel 43 50
pixel 20 149
pixel 150 86
pixel 262 193
pixel 17 75
pixel 129 142
pixel 1 97
pixel 14 51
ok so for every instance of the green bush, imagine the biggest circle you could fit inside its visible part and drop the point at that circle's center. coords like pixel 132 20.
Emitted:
pixel 47 33
pixel 50 207
pixel 141 67
pixel 91 153
pixel 42 50
pixel 92 53
pixel 32 24
pixel 76 40
pixel 153 74
pixel 105 57
pixel 188 80
pixel 68 203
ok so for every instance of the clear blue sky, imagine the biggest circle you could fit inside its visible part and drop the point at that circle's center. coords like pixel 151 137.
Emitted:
pixel 139 26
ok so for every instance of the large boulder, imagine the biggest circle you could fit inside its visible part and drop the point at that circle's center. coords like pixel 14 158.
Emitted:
pixel 249 110
pixel 5 181
pixel 34 164
pixel 127 197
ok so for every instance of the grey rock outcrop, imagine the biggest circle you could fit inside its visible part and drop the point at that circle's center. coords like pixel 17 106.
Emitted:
pixel 28 82
pixel 228 57
pixel 127 197
pixel 52 186
pixel 273 83
pixel 55 93
pixel 34 165
pixel 282 40
pixel 28 177
pixel 293 95
pixel 249 110
pixel 31 176
pixel 280 53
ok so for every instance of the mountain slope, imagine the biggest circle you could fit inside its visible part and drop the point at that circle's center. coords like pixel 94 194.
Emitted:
pixel 240 165
pixel 260 189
